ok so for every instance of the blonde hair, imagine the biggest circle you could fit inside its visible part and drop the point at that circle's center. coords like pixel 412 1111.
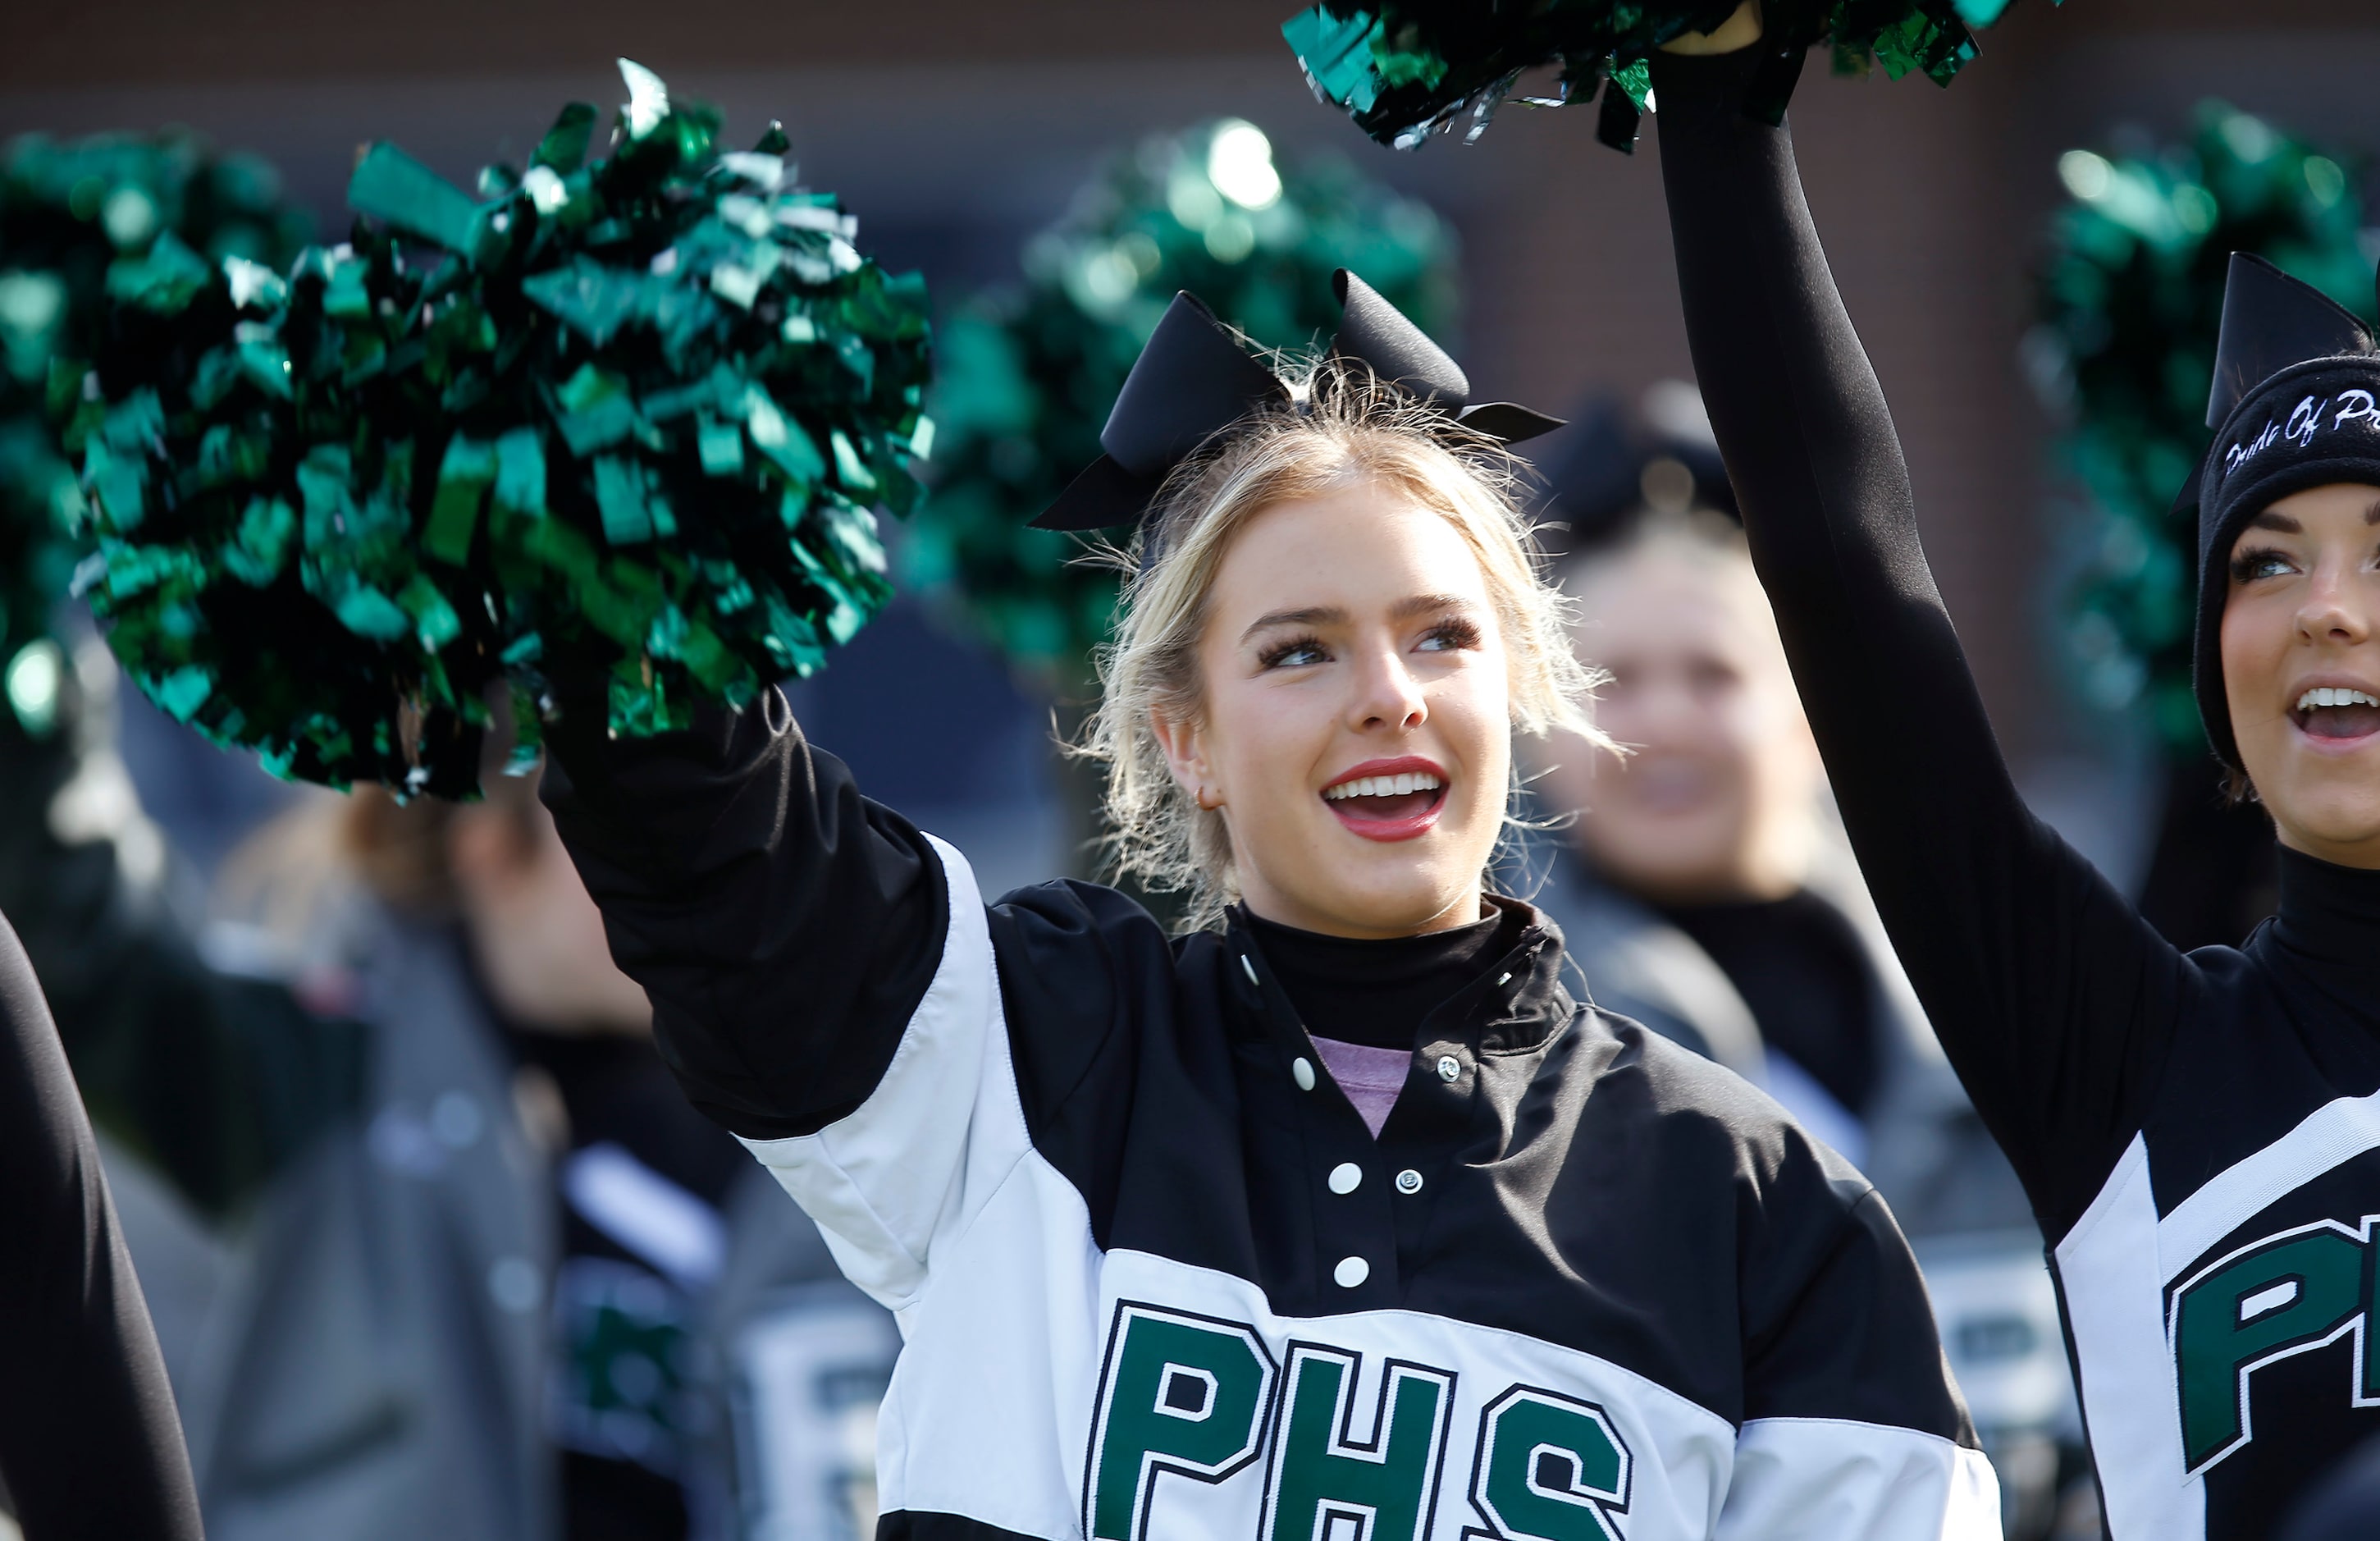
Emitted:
pixel 1344 429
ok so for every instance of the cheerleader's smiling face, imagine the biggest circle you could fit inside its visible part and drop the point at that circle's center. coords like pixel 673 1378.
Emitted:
pixel 1355 727
pixel 2301 668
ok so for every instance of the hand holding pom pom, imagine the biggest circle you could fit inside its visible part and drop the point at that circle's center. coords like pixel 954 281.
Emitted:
pixel 1404 70
pixel 623 422
pixel 1737 32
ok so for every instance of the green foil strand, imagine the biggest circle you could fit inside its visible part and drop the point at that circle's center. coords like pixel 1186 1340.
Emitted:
pixel 609 432
pixel 1406 69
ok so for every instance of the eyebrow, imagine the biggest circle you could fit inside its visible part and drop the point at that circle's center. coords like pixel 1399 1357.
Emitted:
pixel 2284 525
pixel 1333 616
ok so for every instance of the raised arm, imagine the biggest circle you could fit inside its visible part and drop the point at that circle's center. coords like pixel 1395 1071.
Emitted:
pixel 824 980
pixel 785 927
pixel 2053 998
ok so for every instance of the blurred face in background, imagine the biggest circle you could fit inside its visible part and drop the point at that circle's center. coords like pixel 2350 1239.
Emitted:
pixel 536 935
pixel 1718 800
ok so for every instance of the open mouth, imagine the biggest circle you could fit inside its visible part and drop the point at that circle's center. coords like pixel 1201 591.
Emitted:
pixel 1388 799
pixel 2337 712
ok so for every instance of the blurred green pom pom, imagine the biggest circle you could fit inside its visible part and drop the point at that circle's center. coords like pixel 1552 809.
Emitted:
pixel 1026 375
pixel 2129 299
pixel 1405 69
pixel 83 224
pixel 605 432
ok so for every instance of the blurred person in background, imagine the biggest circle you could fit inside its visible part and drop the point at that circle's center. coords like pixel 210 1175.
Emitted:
pixel 529 1242
pixel 1704 886
pixel 202 1083
pixel 204 1086
pixel 335 1121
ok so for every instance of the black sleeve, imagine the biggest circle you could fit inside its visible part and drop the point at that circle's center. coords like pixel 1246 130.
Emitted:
pixel 2055 1000
pixel 784 927
pixel 1837 1323
pixel 88 1442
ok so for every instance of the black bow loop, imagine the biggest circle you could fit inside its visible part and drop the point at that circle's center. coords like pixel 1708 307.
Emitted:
pixel 1194 380
pixel 1376 334
pixel 1506 423
pixel 2270 321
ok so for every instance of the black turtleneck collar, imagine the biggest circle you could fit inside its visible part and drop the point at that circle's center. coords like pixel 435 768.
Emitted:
pixel 1377 993
pixel 2329 913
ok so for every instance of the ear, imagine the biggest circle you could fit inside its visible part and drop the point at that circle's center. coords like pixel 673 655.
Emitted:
pixel 1185 754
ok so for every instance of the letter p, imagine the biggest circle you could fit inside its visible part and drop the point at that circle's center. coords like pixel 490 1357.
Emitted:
pixel 1181 1393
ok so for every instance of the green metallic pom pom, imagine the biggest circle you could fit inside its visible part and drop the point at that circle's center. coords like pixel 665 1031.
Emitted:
pixel 1026 375
pixel 610 430
pixel 84 225
pixel 2130 300
pixel 1405 69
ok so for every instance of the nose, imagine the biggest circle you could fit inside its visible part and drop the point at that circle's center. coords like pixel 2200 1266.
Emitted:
pixel 1387 696
pixel 2339 606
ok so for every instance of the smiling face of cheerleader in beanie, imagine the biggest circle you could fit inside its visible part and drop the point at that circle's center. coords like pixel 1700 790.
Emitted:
pixel 1311 700
pixel 2301 649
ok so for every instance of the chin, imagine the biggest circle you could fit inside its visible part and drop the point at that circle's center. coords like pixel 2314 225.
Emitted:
pixel 2346 822
pixel 1404 906
pixel 1384 898
pixel 2329 810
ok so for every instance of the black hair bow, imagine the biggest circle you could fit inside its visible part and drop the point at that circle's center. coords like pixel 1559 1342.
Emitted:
pixel 2270 321
pixel 1194 380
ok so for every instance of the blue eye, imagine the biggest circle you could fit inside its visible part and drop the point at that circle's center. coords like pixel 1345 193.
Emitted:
pixel 1304 651
pixel 2250 565
pixel 1450 636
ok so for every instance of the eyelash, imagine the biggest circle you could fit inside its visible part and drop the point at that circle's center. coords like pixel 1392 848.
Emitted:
pixel 2245 565
pixel 1456 633
pixel 1459 634
pixel 1278 653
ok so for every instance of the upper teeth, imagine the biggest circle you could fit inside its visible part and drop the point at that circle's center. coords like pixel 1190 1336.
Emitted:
pixel 1383 786
pixel 2334 694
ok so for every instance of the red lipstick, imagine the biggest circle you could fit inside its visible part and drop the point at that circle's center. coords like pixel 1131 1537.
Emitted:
pixel 1388 799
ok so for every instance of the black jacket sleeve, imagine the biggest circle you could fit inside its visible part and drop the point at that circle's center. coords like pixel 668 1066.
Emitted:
pixel 2054 999
pixel 89 1441
pixel 784 927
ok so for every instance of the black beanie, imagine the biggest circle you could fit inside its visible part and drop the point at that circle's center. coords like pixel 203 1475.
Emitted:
pixel 2295 404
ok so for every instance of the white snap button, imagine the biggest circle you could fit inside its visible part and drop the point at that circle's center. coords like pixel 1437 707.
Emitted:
pixel 1409 1181
pixel 1449 1068
pixel 1301 1070
pixel 1345 1176
pixel 1350 1272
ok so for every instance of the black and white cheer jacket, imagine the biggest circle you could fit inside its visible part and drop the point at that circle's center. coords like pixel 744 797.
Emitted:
pixel 1154 1278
